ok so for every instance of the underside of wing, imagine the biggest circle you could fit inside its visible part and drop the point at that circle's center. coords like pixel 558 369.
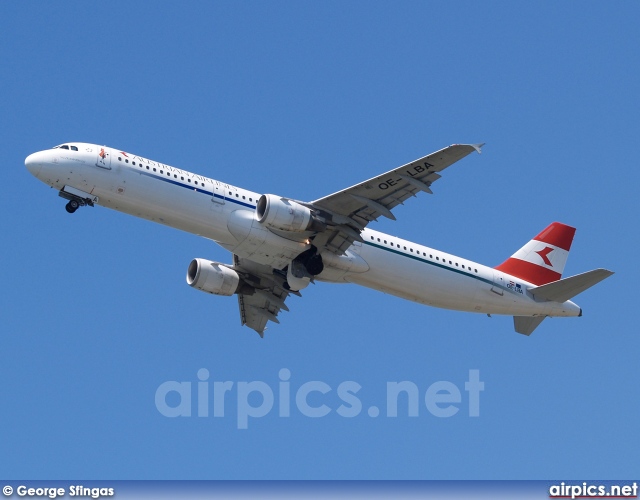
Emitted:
pixel 264 298
pixel 353 208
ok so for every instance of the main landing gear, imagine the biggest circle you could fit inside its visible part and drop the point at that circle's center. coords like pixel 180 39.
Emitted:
pixel 72 206
pixel 301 271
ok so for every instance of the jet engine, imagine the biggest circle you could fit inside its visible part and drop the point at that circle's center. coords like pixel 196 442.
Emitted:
pixel 212 277
pixel 284 214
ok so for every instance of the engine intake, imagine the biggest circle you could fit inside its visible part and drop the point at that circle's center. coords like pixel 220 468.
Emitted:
pixel 212 277
pixel 284 214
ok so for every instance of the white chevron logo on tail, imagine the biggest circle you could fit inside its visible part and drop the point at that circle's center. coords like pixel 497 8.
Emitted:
pixel 543 254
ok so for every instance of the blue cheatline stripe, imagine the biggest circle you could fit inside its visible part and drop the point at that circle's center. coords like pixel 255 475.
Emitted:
pixel 426 261
pixel 193 188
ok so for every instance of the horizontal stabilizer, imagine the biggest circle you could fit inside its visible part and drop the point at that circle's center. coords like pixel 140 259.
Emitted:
pixel 565 289
pixel 527 324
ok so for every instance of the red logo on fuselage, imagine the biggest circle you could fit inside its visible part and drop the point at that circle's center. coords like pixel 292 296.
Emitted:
pixel 544 253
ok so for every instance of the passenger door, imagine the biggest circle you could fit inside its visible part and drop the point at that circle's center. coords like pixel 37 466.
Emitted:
pixel 104 158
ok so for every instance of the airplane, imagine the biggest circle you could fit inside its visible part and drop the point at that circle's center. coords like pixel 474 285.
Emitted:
pixel 281 245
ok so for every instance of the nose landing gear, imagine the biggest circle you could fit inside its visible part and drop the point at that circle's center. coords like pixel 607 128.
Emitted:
pixel 72 206
pixel 76 198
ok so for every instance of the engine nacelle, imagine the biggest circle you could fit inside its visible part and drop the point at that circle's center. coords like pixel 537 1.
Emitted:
pixel 280 213
pixel 212 277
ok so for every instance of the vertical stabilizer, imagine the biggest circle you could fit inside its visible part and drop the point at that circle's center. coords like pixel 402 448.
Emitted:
pixel 542 260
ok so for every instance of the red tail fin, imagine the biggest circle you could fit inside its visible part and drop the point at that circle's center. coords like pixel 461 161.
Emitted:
pixel 542 260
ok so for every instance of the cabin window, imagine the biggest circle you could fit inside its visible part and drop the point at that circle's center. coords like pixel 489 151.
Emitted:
pixel 188 180
pixel 133 163
pixel 119 158
pixel 181 178
pixel 126 161
pixel 385 242
pixel 147 167
pixel 456 264
pixel 437 258
pixel 154 169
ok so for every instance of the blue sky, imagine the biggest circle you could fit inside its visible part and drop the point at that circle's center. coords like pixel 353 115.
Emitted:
pixel 303 99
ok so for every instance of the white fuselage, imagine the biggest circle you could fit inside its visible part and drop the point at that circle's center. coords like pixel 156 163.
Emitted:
pixel 225 214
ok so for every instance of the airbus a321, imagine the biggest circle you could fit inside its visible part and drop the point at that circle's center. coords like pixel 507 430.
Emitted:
pixel 280 245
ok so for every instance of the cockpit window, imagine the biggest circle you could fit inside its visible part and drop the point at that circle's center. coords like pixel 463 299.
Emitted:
pixel 64 147
pixel 73 148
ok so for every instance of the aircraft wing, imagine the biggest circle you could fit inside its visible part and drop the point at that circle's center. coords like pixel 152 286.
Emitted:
pixel 353 208
pixel 265 297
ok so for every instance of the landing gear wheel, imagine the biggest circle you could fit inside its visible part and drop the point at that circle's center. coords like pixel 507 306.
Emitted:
pixel 72 206
pixel 314 265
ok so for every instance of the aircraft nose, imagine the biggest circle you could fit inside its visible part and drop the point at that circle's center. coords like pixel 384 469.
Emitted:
pixel 33 163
